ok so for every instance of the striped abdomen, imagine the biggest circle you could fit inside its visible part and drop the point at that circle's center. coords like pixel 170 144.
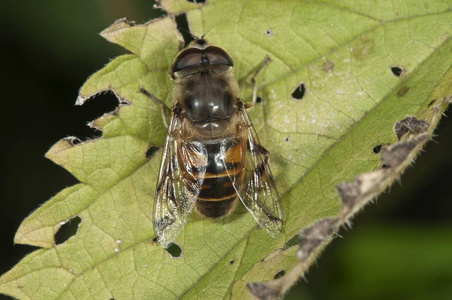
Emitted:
pixel 225 158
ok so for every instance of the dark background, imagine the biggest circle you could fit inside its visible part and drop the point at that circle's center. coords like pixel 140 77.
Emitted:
pixel 400 248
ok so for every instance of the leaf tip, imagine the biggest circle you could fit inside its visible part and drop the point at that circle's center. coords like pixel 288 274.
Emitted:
pixel 119 24
pixel 61 146
pixel 80 100
pixel 32 233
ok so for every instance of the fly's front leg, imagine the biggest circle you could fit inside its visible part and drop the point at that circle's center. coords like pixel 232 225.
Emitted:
pixel 254 83
pixel 165 109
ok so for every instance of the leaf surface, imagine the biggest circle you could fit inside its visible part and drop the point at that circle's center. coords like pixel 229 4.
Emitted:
pixel 342 53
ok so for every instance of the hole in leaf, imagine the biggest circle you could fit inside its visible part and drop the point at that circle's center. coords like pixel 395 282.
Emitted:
pixel 280 274
pixel 292 242
pixel 268 32
pixel 376 149
pixel 258 99
pixel 182 26
pixel 196 1
pixel 431 103
pixel 151 151
pixel 397 71
pixel 299 91
pixel 286 139
pixel 174 250
pixel 67 230
pixel 231 262
pixel 384 166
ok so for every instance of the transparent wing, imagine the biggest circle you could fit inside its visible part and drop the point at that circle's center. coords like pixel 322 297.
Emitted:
pixel 257 189
pixel 181 175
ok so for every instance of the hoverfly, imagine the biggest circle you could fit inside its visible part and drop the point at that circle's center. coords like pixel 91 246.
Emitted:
pixel 212 156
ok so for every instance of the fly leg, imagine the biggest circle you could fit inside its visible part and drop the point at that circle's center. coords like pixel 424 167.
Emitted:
pixel 165 109
pixel 254 83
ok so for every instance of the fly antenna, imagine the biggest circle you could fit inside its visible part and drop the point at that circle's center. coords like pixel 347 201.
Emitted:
pixel 205 33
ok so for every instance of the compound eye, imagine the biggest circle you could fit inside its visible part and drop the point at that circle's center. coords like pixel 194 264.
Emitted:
pixel 188 58
pixel 217 56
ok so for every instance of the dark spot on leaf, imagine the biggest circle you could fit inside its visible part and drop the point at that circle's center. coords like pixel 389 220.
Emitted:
pixel 174 250
pixel 258 99
pixel 402 92
pixel 409 124
pixel 196 1
pixel 67 230
pixel 397 71
pixel 279 274
pixel 328 66
pixel 376 149
pixel 299 91
pixel 231 262
pixel 269 32
pixel 151 151
pixel 292 242
pixel 362 48
pixel 286 139
pixel 431 103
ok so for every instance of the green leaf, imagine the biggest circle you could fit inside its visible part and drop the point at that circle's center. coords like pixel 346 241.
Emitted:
pixel 342 53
